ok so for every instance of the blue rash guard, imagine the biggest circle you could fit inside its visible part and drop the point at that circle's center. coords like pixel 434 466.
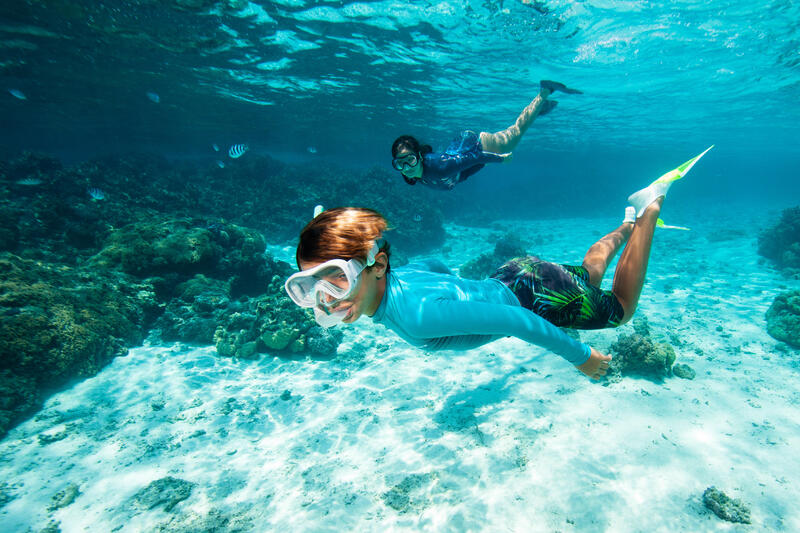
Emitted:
pixel 430 307
pixel 463 158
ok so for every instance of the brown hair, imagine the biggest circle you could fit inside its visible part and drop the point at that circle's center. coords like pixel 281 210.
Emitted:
pixel 341 233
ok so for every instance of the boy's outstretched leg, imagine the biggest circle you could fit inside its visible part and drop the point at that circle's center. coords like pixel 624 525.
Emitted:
pixel 632 266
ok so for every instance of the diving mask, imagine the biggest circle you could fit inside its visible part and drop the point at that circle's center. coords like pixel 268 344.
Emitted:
pixel 326 285
pixel 405 162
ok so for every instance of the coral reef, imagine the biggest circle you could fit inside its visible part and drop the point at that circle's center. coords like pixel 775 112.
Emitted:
pixel 94 255
pixel 724 507
pixel 58 323
pixel 638 355
pixel 781 243
pixel 508 246
pixel 783 318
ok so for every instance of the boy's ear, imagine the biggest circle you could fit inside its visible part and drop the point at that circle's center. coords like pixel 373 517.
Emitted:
pixel 381 262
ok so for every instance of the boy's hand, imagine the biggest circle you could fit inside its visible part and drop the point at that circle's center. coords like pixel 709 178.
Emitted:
pixel 596 366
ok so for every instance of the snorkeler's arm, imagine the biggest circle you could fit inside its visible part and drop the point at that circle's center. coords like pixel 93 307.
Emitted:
pixel 446 318
pixel 432 265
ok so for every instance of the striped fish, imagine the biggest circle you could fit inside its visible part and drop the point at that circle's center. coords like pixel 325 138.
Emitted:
pixel 96 194
pixel 237 150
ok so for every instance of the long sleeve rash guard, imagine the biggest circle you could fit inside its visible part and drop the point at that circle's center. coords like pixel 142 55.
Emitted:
pixel 430 307
pixel 445 170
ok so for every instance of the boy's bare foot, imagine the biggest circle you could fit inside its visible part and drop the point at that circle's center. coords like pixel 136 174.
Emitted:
pixel 596 366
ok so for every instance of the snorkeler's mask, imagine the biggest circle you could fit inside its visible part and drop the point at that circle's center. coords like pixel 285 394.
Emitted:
pixel 326 285
pixel 405 162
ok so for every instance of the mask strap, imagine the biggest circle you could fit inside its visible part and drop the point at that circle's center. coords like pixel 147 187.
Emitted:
pixel 376 248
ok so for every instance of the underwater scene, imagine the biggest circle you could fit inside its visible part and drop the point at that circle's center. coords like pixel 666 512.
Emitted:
pixel 434 265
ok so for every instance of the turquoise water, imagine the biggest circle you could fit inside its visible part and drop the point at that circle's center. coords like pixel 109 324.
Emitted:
pixel 382 436
pixel 344 77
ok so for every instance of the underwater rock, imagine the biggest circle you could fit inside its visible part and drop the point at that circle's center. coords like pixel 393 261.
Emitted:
pixel 409 495
pixel 6 494
pixel 167 491
pixel 49 438
pixel 732 510
pixel 53 527
pixel 215 521
pixel 638 355
pixel 323 342
pixel 781 243
pixel 508 246
pixel 783 318
pixel 64 497
pixel 684 371
pixel 19 396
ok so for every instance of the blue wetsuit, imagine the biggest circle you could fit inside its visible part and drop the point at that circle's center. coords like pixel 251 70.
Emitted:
pixel 430 307
pixel 463 158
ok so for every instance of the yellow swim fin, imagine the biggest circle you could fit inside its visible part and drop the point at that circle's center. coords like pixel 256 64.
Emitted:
pixel 660 224
pixel 641 199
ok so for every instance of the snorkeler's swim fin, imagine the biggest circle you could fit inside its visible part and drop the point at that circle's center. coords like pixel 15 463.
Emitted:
pixel 548 106
pixel 641 199
pixel 660 224
pixel 554 86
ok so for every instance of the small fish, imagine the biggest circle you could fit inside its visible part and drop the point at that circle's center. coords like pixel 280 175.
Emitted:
pixel 215 146
pixel 221 164
pixel 417 218
pixel 153 97
pixel 311 150
pixel 16 93
pixel 29 182
pixel 96 194
pixel 237 150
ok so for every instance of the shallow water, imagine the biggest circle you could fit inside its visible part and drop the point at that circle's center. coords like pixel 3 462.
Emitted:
pixel 382 436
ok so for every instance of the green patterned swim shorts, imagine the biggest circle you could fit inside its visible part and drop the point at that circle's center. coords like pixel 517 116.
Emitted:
pixel 561 294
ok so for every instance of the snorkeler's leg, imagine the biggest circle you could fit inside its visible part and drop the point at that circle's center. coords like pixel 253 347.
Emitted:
pixel 505 141
pixel 601 253
pixel 632 266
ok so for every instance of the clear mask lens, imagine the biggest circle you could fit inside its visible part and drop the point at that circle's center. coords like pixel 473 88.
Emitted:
pixel 322 287
pixel 405 162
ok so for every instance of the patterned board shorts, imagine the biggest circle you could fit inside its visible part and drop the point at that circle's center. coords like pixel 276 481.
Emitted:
pixel 560 294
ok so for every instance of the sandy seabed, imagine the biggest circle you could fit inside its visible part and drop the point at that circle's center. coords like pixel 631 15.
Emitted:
pixel 386 437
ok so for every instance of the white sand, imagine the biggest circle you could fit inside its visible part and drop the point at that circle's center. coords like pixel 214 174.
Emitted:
pixel 507 437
